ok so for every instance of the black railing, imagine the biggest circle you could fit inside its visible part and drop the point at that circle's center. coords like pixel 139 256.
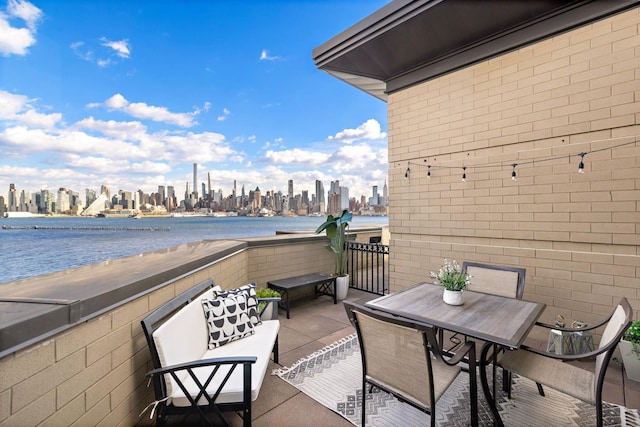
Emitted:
pixel 368 267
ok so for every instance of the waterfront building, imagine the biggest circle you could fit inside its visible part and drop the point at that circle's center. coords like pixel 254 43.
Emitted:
pixel 62 204
pixel 90 196
pixel 3 207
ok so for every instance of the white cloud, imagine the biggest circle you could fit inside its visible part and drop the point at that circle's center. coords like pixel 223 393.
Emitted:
pixel 15 40
pixel 224 115
pixel 296 156
pixel 19 109
pixel 142 110
pixel 369 130
pixel 121 47
pixel 264 56
pixel 115 50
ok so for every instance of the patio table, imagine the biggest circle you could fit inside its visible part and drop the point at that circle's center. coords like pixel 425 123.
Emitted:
pixel 496 320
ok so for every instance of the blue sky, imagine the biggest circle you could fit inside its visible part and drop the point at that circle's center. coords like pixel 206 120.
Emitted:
pixel 131 93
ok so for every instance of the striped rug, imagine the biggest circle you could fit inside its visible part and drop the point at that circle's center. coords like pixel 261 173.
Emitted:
pixel 332 376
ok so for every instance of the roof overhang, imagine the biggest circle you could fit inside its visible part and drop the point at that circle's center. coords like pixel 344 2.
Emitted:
pixel 411 41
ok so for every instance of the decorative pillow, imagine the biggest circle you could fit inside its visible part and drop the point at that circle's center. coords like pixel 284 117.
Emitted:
pixel 252 301
pixel 227 319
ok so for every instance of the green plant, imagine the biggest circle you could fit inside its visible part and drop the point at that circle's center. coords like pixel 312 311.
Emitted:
pixel 451 277
pixel 632 334
pixel 335 228
pixel 265 293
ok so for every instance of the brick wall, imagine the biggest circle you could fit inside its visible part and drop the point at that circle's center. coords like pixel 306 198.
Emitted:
pixel 578 235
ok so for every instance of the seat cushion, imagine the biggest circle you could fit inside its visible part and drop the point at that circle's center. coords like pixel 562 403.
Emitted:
pixel 259 344
pixel 562 376
pixel 227 319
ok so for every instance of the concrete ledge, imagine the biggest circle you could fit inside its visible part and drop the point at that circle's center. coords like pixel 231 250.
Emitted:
pixel 35 308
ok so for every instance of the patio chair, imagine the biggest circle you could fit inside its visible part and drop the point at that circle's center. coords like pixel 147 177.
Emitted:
pixel 495 280
pixel 403 358
pixel 549 369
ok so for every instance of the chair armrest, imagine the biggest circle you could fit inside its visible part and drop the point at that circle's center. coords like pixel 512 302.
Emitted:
pixel 584 328
pixel 469 348
pixel 565 357
pixel 204 362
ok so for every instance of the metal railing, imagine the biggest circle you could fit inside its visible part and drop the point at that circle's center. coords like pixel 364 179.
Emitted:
pixel 368 267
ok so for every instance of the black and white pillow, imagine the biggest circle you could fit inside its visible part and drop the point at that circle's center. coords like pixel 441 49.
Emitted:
pixel 227 319
pixel 252 300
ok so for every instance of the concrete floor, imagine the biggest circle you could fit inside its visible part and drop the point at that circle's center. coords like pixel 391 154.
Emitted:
pixel 317 323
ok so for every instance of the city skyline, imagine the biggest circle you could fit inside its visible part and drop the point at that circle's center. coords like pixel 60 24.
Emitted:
pixel 239 198
pixel 131 94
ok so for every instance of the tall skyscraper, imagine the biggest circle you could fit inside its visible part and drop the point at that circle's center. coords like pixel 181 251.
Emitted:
pixel 13 198
pixel 195 180
pixel 320 201
pixel 290 188
pixel 209 194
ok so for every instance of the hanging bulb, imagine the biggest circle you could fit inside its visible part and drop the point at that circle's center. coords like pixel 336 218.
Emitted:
pixel 464 173
pixel 513 173
pixel 428 171
pixel 581 165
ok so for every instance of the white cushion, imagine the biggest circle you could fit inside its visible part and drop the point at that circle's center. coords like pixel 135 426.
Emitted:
pixel 183 337
pixel 259 344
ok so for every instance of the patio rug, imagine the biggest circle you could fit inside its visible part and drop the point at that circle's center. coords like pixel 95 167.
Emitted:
pixel 332 376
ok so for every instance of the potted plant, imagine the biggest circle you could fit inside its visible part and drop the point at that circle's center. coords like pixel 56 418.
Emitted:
pixel 630 350
pixel 453 280
pixel 335 228
pixel 267 302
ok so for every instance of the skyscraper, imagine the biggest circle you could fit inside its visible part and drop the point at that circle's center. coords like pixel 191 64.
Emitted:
pixel 195 180
pixel 290 188
pixel 320 202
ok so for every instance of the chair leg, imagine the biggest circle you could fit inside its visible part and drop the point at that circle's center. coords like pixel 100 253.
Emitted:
pixel 540 389
pixel 364 402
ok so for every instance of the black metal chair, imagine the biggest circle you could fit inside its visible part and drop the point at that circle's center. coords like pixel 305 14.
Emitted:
pixel 549 368
pixel 404 359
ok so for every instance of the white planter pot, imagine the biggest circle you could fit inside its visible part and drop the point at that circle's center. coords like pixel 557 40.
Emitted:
pixel 267 314
pixel 342 287
pixel 630 360
pixel 453 297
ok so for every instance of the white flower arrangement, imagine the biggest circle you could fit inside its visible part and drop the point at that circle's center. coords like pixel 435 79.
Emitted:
pixel 451 277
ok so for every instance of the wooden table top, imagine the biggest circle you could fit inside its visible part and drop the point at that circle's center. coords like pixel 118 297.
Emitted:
pixel 504 321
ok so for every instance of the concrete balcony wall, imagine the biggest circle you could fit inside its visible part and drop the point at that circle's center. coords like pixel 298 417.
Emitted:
pixel 577 235
pixel 92 371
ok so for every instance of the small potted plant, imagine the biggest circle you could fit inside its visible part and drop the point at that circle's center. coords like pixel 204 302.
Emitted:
pixel 630 350
pixel 267 302
pixel 335 228
pixel 453 280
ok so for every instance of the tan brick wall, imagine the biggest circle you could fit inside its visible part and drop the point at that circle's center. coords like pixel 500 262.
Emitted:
pixel 578 235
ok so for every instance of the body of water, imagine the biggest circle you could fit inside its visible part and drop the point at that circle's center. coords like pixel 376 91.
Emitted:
pixel 34 246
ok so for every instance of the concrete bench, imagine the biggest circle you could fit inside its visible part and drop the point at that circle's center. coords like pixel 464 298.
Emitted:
pixel 188 377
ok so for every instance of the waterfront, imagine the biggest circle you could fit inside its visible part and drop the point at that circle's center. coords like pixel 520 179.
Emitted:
pixel 34 246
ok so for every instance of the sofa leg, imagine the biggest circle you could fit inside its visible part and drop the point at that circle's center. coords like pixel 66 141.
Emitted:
pixel 275 351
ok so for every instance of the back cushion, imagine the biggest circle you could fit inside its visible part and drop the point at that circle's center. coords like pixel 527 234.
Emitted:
pixel 252 300
pixel 183 337
pixel 227 319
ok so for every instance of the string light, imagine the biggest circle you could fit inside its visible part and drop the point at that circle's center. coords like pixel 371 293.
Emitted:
pixel 534 162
